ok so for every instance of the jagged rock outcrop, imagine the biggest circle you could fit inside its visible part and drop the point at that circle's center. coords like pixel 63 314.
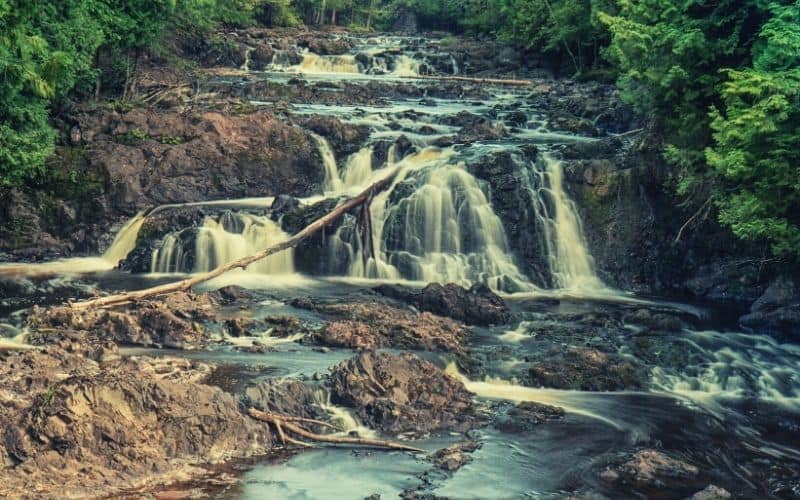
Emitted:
pixel 79 424
pixel 478 305
pixel 402 393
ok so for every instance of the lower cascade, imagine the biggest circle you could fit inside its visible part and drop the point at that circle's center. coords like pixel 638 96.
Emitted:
pixel 220 240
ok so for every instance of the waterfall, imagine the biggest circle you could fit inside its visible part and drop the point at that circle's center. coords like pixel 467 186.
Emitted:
pixel 332 181
pixel 315 63
pixel 124 241
pixel 220 240
pixel 406 66
pixel 170 257
pixel 246 65
pixel 571 265
pixel 442 229
pixel 358 169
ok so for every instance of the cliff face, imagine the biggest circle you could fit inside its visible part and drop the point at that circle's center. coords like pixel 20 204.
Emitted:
pixel 122 162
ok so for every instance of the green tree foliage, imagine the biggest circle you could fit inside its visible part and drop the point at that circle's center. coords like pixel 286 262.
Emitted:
pixel 756 138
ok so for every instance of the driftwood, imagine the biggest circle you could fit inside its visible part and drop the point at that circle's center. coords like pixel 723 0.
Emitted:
pixel 185 285
pixel 283 423
pixel 485 81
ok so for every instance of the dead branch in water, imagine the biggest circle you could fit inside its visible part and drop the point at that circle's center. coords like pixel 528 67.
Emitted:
pixel 485 81
pixel 187 284
pixel 282 423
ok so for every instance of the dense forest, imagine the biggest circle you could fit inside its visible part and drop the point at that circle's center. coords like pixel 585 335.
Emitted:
pixel 719 80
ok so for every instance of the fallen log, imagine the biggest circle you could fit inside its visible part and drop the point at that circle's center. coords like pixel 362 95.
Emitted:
pixel 187 284
pixel 485 81
pixel 283 424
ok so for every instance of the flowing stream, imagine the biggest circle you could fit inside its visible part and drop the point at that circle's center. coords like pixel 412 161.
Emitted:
pixel 727 400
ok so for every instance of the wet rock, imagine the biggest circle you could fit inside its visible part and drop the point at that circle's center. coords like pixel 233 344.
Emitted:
pixel 526 416
pixel 585 369
pixel 370 325
pixel 344 138
pixel 286 397
pixel 711 492
pixel 477 306
pixel 511 198
pixel 282 205
pixel 658 322
pixel 452 458
pixel 95 428
pixel 402 393
pixel 326 46
pixel 777 310
pixel 239 327
pixel 311 255
pixel 233 294
pixel 171 321
pixel 651 469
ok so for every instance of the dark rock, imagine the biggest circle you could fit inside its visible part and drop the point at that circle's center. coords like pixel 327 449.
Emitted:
pixel 477 306
pixel 370 325
pixel 651 469
pixel 282 205
pixel 452 458
pixel 402 393
pixel 579 368
pixel 344 138
pixel 526 416
pixel 711 492
pixel 239 327
pixel 777 310
pixel 286 397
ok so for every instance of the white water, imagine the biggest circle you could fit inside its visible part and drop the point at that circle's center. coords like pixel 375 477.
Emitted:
pixel 405 66
pixel 732 367
pixel 571 265
pixel 358 169
pixel 223 239
pixel 342 417
pixel 317 64
pixel 333 183
pixel 446 230
pixel 123 243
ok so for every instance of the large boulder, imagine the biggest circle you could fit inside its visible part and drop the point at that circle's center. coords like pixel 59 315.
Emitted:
pixel 402 393
pixel 171 321
pixel 777 310
pixel 579 368
pixel 80 424
pixel 478 305
pixel 372 325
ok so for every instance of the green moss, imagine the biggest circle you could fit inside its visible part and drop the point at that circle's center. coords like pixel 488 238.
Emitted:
pixel 132 137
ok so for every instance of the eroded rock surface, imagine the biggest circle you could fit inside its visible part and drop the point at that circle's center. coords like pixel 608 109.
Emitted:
pixel 171 321
pixel 371 325
pixel 402 393
pixel 478 305
pixel 81 423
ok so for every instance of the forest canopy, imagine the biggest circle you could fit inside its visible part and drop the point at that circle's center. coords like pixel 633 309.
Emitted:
pixel 718 80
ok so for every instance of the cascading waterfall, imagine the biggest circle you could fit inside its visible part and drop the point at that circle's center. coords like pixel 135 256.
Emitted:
pixel 332 180
pixel 315 63
pixel 443 230
pixel 247 52
pixel 406 66
pixel 570 263
pixel 358 169
pixel 231 236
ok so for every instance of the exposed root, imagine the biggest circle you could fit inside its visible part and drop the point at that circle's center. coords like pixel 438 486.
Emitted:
pixel 283 422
